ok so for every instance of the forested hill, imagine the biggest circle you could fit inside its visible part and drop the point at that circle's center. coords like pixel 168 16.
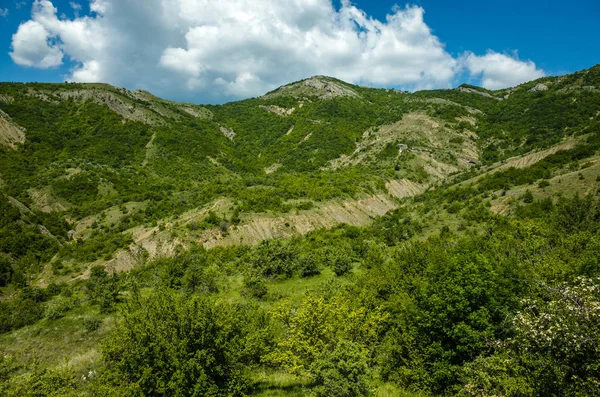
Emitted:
pixel 324 239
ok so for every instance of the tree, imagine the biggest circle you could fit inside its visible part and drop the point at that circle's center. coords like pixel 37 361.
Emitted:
pixel 168 344
pixel 328 341
pixel 555 349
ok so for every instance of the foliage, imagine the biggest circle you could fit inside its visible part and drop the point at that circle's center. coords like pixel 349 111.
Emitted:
pixel 444 298
pixel 555 339
pixel 167 344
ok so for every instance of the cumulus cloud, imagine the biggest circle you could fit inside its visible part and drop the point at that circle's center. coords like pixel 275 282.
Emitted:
pixel 215 50
pixel 500 70
pixel 245 46
pixel 33 46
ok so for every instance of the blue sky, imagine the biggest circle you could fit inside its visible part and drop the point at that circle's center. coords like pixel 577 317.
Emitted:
pixel 560 37
pixel 219 52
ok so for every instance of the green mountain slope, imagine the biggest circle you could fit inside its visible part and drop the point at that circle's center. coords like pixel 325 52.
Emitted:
pixel 418 225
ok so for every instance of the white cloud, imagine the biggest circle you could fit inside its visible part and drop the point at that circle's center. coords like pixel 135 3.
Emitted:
pixel 33 46
pixel 216 50
pixel 75 6
pixel 3 12
pixel 500 70
pixel 248 47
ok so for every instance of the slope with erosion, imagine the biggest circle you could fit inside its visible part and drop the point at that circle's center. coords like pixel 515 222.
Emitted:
pixel 311 154
pixel 428 255
pixel 11 135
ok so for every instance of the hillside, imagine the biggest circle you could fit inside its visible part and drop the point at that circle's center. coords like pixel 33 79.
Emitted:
pixel 419 227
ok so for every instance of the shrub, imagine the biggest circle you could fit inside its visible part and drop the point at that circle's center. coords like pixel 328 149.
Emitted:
pixel 341 372
pixel 58 307
pixel 255 286
pixel 342 265
pixel 308 267
pixel 91 323
pixel 527 197
pixel 194 347
pixel 543 183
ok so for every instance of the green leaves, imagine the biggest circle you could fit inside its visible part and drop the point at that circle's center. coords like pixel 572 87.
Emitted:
pixel 167 344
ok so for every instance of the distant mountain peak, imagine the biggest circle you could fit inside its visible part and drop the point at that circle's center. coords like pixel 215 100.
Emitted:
pixel 322 87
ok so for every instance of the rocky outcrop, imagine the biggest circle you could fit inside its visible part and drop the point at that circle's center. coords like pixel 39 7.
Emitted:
pixel 539 88
pixel 228 132
pixel 278 110
pixel 474 91
pixel 11 135
pixel 319 86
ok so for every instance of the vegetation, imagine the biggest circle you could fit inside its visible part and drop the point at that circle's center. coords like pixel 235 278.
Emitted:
pixel 477 278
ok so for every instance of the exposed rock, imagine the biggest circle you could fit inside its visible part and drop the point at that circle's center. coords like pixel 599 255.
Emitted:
pixel 11 135
pixel 213 161
pixel 129 111
pixel 424 134
pixel 482 93
pixel 404 188
pixel 44 200
pixel 278 110
pixel 273 168
pixel 265 226
pixel 510 92
pixel 198 112
pixel 539 88
pixel 228 132
pixel 320 86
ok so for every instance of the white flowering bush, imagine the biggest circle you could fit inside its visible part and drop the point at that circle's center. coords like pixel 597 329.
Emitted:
pixel 567 326
pixel 554 349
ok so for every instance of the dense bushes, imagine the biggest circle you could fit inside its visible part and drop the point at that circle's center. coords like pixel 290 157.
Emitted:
pixel 170 345
pixel 24 309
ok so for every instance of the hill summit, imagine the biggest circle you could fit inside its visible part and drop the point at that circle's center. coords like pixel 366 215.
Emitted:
pixel 321 87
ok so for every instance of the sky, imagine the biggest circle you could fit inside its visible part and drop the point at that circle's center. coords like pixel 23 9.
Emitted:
pixel 214 51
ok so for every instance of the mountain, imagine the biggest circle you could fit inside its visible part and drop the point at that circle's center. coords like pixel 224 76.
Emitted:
pixel 104 191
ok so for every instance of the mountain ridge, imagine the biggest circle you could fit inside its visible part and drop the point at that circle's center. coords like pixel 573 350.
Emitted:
pixel 415 235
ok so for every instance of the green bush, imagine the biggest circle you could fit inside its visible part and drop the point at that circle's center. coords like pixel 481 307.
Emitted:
pixel 91 323
pixel 342 372
pixel 342 265
pixel 169 344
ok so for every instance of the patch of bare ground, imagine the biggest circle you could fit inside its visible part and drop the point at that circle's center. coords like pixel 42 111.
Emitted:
pixel 11 135
pixel 421 134
pixel 274 167
pixel 259 227
pixel 404 188
pixel 526 160
pixel 71 172
pixel 45 201
pixel 284 112
pixel 228 132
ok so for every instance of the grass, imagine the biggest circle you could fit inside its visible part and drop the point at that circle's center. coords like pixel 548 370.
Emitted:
pixel 271 383
pixel 52 342
pixel 567 184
